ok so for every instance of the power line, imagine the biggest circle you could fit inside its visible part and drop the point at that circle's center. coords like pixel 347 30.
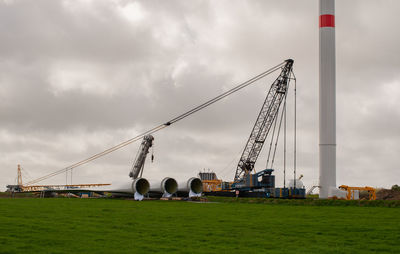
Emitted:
pixel 162 126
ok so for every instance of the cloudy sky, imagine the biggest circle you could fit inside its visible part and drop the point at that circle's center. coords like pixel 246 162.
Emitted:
pixel 77 77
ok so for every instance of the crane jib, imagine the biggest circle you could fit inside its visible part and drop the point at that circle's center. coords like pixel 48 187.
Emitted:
pixel 269 111
pixel 138 164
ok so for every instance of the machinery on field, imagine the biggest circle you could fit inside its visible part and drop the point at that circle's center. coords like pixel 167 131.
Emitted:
pixel 267 116
pixel 262 183
pixel 245 180
pixel 353 193
pixel 252 183
pixel 20 187
pixel 210 181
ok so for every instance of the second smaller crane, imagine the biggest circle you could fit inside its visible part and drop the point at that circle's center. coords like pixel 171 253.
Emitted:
pixel 138 164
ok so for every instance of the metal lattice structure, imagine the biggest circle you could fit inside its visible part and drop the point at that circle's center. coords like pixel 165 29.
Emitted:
pixel 138 164
pixel 269 111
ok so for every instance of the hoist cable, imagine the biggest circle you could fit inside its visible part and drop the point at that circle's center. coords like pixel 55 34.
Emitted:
pixel 272 141
pixel 227 93
pixel 277 136
pixel 295 129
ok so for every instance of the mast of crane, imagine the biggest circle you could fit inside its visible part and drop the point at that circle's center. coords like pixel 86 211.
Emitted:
pixel 269 111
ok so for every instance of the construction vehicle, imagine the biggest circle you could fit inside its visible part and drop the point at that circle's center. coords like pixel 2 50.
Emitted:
pixel 268 114
pixel 210 182
pixel 263 182
pixel 353 192
pixel 251 181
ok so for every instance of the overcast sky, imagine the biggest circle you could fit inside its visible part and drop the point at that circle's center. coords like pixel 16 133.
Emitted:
pixel 77 77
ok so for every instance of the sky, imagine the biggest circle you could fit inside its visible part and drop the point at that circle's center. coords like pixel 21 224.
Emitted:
pixel 78 77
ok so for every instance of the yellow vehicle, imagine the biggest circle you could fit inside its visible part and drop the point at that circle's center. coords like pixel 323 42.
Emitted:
pixel 351 190
pixel 210 181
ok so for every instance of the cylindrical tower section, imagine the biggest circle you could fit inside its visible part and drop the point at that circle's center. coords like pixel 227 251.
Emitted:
pixel 167 186
pixel 193 187
pixel 327 98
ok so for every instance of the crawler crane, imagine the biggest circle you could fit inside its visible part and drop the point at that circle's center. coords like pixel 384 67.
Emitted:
pixel 244 180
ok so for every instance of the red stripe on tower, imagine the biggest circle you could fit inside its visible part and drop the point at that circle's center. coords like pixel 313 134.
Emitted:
pixel 327 20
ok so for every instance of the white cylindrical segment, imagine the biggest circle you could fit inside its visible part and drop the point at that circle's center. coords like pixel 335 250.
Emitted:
pixel 141 186
pixel 167 186
pixel 193 187
pixel 138 187
pixel 327 98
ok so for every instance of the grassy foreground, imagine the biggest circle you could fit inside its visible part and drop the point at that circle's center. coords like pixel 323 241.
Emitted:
pixel 124 226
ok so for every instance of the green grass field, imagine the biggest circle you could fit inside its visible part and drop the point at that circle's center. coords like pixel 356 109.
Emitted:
pixel 62 225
